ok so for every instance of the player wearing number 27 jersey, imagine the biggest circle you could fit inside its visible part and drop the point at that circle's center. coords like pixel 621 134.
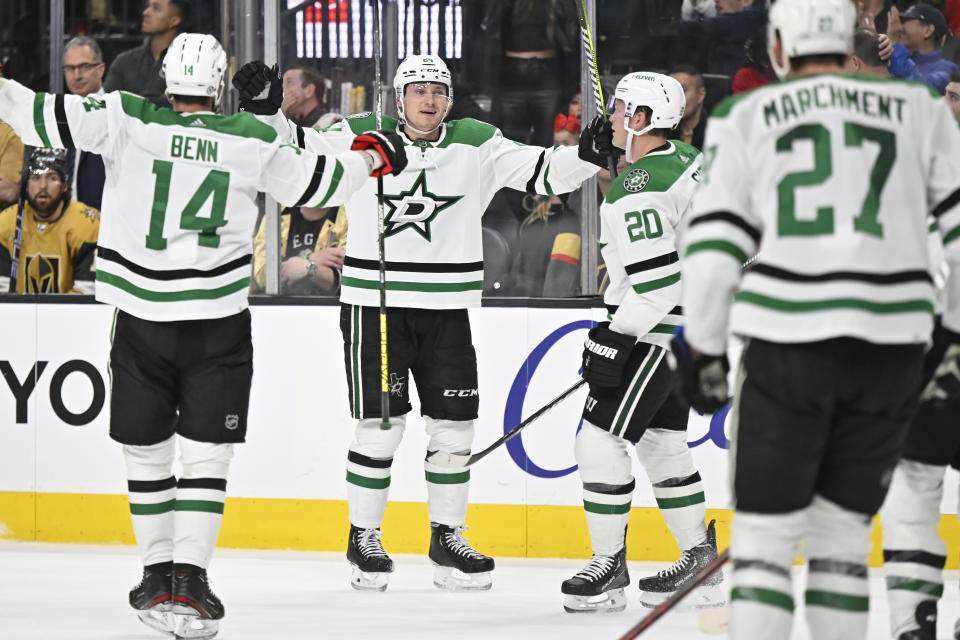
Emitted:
pixel 830 177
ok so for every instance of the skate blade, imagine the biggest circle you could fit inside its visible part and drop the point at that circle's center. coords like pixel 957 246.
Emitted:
pixel 157 618
pixel 613 601
pixel 451 579
pixel 704 597
pixel 188 625
pixel 363 581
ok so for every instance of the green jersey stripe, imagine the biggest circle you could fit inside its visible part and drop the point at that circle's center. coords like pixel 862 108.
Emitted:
pixel 139 509
pixel 833 600
pixel 606 509
pixel 428 287
pixel 668 329
pixel 172 296
pixel 680 501
pixel 913 584
pixel 803 306
pixel 718 245
pixel 448 478
pixel 334 182
pixel 243 123
pixel 952 235
pixel 204 506
pixel 765 596
pixel 368 483
pixel 659 283
pixel 652 359
pixel 38 122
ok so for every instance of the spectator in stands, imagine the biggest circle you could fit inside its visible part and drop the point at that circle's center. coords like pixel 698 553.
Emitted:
pixel 83 71
pixel 138 70
pixel 756 70
pixel 917 35
pixel 694 122
pixel 312 248
pixel 720 40
pixel 305 98
pixel 953 94
pixel 59 236
pixel 566 126
pixel 866 54
pixel 11 163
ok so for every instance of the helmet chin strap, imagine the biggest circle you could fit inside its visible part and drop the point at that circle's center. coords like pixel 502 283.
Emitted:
pixel 631 134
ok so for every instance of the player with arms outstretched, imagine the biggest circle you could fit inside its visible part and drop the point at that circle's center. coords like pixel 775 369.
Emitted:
pixel 434 273
pixel 174 258
pixel 634 395
pixel 833 176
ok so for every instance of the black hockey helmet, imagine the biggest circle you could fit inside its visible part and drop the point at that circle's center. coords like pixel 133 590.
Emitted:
pixel 44 159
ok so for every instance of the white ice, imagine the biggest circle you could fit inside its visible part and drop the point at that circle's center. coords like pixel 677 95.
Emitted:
pixel 79 592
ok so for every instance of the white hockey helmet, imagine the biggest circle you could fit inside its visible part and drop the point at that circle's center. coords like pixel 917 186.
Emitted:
pixel 417 68
pixel 661 94
pixel 195 65
pixel 809 28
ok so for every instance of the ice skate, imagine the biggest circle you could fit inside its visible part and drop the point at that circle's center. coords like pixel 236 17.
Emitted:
pixel 371 564
pixel 598 586
pixel 924 623
pixel 458 565
pixel 656 589
pixel 196 610
pixel 153 597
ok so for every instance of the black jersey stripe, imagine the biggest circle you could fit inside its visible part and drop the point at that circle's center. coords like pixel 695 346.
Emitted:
pixel 151 486
pixel 915 556
pixel 732 218
pixel 610 489
pixel 61 115
pixel 366 461
pixel 676 311
pixel 532 183
pixel 897 277
pixel 948 203
pixel 315 181
pixel 301 139
pixel 174 274
pixel 217 484
pixel 652 263
pixel 839 567
pixel 435 267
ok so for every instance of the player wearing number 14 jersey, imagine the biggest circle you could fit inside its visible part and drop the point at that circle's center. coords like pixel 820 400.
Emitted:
pixel 174 257
pixel 831 178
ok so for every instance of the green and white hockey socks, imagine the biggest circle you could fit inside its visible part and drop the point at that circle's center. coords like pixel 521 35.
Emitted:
pixel 913 553
pixel 448 488
pixel 605 471
pixel 368 470
pixel 201 493
pixel 153 491
pixel 676 484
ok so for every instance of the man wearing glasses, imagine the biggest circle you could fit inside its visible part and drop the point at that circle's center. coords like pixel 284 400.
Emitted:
pixel 83 71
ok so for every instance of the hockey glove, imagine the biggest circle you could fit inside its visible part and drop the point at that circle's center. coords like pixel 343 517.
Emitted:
pixel 942 367
pixel 605 355
pixel 596 142
pixel 704 377
pixel 260 88
pixel 390 147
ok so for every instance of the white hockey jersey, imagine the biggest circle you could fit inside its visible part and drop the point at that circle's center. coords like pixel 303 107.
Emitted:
pixel 638 239
pixel 432 211
pixel 831 178
pixel 179 209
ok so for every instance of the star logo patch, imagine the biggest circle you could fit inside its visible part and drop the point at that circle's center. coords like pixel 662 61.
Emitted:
pixel 415 209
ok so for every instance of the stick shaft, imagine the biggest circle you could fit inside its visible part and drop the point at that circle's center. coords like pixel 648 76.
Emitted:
pixel 381 251
pixel 590 56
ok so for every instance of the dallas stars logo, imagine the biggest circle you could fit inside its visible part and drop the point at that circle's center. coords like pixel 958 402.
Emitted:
pixel 396 384
pixel 415 209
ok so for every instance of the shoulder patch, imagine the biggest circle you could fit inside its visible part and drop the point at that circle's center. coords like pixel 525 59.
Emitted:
pixel 636 180
pixel 362 114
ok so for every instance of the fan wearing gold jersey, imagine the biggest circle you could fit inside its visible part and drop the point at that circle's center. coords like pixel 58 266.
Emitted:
pixel 58 236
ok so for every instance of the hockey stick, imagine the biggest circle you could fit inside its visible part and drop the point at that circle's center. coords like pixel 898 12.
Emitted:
pixel 465 460
pixel 378 98
pixel 18 231
pixel 590 57
pixel 677 596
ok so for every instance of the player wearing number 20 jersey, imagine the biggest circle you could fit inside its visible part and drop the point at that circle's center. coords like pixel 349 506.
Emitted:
pixel 831 178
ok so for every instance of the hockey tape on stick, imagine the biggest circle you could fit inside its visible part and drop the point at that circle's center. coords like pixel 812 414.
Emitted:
pixel 18 230
pixel 444 459
pixel 677 596
pixel 590 58
pixel 381 252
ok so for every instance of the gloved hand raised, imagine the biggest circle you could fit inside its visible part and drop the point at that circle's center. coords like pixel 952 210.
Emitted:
pixel 260 88
pixel 388 145
pixel 596 142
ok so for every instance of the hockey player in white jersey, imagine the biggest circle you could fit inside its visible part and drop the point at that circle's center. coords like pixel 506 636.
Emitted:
pixel 434 273
pixel 834 177
pixel 174 258
pixel 634 396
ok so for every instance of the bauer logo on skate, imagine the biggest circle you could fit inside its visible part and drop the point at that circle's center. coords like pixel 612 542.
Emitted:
pixel 711 427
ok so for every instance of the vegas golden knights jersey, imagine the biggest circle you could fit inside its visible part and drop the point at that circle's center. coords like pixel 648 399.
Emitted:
pixel 55 257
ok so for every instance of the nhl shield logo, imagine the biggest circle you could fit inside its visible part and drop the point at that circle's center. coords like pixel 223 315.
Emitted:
pixel 636 180
pixel 232 422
